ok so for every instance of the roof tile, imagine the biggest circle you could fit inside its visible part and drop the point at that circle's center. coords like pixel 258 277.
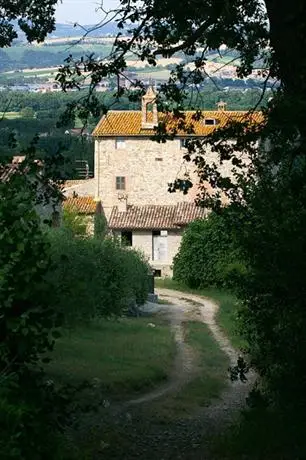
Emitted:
pixel 81 204
pixel 153 217
pixel 128 123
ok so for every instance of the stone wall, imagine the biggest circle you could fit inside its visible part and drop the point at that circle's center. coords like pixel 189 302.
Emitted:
pixel 81 188
pixel 148 168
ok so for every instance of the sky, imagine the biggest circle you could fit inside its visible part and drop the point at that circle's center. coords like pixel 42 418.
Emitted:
pixel 82 11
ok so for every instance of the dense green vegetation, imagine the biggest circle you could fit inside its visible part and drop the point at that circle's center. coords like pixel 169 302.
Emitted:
pixel 110 278
pixel 208 254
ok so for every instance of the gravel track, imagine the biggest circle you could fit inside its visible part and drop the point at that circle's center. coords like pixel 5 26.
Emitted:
pixel 140 436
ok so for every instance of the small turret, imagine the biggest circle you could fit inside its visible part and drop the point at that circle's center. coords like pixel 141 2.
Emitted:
pixel 149 109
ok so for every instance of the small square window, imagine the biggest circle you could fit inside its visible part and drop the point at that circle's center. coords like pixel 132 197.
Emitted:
pixel 120 183
pixel 120 143
pixel 209 121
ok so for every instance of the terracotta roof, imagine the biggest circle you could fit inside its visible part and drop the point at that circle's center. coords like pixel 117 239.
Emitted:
pixel 6 171
pixel 81 204
pixel 187 212
pixel 128 123
pixel 152 217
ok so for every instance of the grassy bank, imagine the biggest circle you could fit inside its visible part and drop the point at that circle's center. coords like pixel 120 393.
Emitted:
pixel 227 313
pixel 124 356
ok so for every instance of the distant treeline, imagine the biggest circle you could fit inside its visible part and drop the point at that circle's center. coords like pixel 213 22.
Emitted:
pixel 49 105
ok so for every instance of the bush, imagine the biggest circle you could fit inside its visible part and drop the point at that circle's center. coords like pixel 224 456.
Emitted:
pixel 28 412
pixel 208 255
pixel 94 277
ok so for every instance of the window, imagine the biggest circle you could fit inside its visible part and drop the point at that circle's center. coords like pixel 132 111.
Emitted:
pixel 157 273
pixel 209 121
pixel 158 159
pixel 120 183
pixel 120 143
pixel 127 238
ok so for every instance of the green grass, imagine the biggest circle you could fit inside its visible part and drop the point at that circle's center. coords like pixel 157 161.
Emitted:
pixel 123 356
pixel 212 363
pixel 227 313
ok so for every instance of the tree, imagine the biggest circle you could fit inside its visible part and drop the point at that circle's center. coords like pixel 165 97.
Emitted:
pixel 27 112
pixel 35 20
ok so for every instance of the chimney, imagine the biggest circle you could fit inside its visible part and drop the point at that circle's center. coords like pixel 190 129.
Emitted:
pixel 122 203
pixel 221 106
pixel 149 117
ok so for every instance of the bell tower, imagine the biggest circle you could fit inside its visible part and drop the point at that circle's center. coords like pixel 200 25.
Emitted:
pixel 221 106
pixel 149 117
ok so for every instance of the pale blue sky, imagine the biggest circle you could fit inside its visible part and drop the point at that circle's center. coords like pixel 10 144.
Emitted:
pixel 82 11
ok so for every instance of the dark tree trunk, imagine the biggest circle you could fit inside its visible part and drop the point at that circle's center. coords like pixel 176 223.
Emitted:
pixel 288 39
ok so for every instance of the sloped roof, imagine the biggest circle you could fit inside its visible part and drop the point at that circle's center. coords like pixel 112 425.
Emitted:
pixel 81 204
pixel 187 212
pixel 7 171
pixel 151 217
pixel 129 122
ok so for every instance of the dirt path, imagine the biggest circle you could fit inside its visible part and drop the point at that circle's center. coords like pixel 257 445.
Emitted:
pixel 129 431
pixel 184 367
pixel 233 399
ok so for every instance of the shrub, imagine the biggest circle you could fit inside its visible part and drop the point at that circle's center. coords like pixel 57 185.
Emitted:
pixel 73 222
pixel 208 255
pixel 94 277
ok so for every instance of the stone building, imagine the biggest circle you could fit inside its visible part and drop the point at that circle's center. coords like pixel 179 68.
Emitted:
pixel 132 174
